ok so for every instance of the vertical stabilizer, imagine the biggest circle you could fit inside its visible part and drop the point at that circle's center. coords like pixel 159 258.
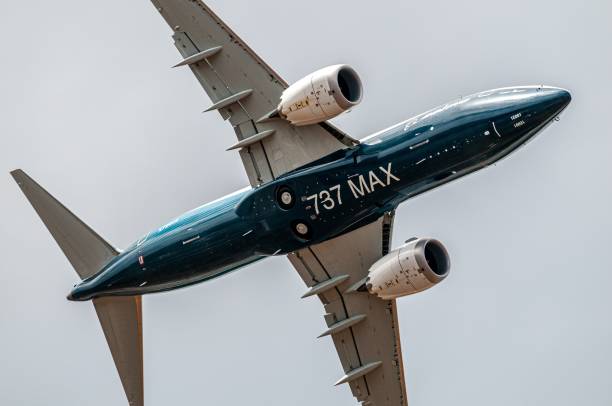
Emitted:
pixel 84 248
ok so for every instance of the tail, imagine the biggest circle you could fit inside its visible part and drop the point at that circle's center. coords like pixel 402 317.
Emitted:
pixel 120 317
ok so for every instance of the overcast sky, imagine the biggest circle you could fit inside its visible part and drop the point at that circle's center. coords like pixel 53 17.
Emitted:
pixel 90 108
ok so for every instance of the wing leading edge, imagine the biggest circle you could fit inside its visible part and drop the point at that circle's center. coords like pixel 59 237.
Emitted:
pixel 364 328
pixel 245 89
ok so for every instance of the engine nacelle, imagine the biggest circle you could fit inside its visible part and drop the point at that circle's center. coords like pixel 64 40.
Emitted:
pixel 320 96
pixel 417 265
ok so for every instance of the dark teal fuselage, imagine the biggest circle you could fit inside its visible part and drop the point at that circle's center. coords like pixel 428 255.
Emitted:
pixel 334 195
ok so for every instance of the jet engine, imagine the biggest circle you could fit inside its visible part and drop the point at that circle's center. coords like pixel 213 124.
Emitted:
pixel 417 265
pixel 320 96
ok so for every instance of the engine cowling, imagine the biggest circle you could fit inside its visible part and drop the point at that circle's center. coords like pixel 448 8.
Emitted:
pixel 417 265
pixel 320 96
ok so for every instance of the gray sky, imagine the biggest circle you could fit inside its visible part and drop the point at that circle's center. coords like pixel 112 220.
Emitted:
pixel 90 108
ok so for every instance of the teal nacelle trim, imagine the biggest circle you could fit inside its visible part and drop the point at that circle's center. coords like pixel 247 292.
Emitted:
pixel 331 196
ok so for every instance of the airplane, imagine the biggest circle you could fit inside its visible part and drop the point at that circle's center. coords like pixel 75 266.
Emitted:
pixel 318 196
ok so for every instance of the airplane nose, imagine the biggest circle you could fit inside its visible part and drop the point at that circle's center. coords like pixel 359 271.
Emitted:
pixel 557 99
pixel 549 103
pixel 564 97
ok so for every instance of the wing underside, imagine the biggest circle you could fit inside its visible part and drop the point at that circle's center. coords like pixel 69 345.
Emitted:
pixel 245 89
pixel 364 328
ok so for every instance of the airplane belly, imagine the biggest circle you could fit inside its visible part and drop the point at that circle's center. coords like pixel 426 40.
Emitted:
pixel 202 255
pixel 193 254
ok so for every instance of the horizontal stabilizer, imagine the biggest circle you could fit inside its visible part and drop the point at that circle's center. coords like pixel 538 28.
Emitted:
pixel 121 320
pixel 84 248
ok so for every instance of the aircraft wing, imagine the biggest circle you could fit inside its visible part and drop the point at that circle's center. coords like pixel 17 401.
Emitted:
pixel 363 327
pixel 244 89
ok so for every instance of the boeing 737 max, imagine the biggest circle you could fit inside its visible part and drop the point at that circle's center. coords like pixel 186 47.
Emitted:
pixel 317 195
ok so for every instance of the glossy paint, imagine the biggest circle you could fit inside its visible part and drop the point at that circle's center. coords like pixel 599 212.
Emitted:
pixel 334 195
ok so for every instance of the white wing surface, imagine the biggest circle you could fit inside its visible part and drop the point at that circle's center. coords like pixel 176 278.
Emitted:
pixel 243 89
pixel 364 328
